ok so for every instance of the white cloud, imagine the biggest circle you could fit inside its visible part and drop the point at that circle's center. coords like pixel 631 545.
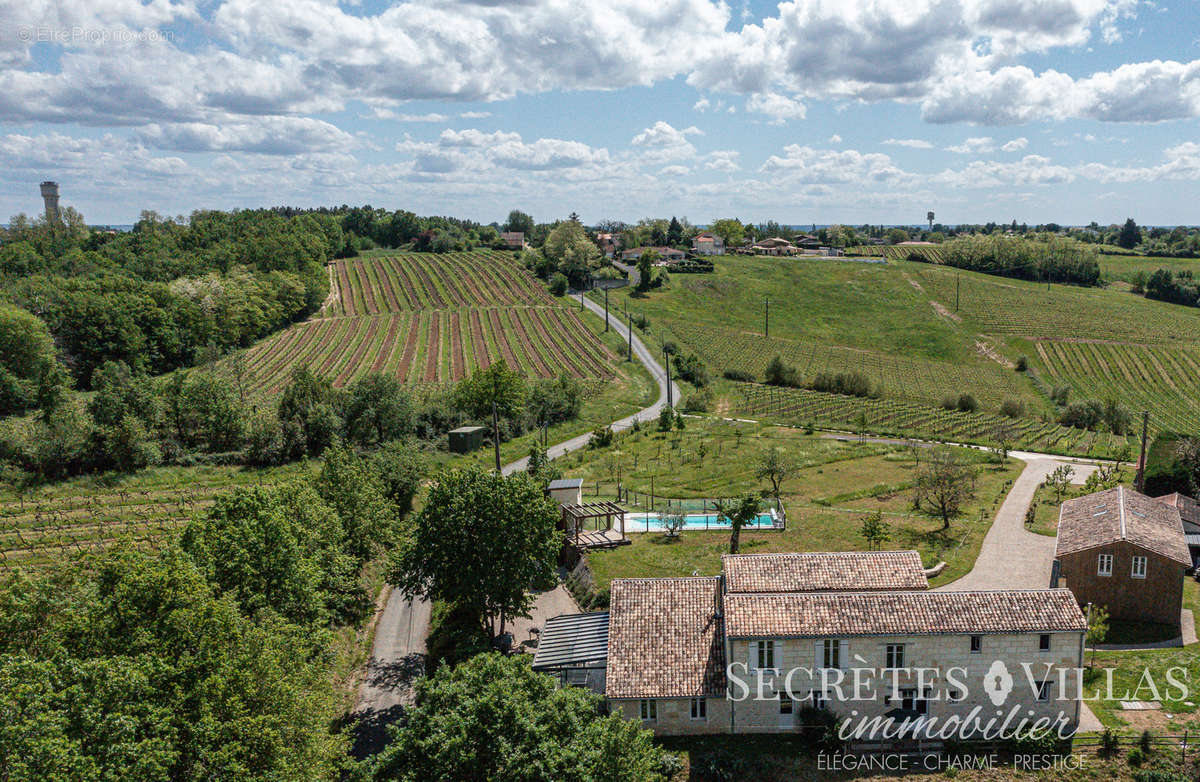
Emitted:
pixel 804 164
pixel 835 139
pixel 976 145
pixel 723 160
pixel 662 142
pixel 675 171
pixel 911 143
pixel 779 108
pixel 265 135
pixel 1016 145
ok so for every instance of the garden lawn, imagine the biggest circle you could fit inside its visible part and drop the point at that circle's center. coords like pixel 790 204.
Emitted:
pixel 839 484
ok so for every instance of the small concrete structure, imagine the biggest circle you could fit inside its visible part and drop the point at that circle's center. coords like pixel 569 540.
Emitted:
pixel 566 491
pixel 466 439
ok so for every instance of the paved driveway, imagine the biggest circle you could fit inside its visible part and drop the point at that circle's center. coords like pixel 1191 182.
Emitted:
pixel 1013 557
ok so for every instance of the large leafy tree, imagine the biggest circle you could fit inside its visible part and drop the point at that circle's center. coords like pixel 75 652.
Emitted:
pixel 493 718
pixel 943 483
pixel 377 410
pixel 570 249
pixel 518 221
pixel 499 385
pixel 731 230
pixel 1130 235
pixel 30 375
pixel 132 668
pixel 481 541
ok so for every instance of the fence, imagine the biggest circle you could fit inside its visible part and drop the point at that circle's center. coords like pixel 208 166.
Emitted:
pixel 650 501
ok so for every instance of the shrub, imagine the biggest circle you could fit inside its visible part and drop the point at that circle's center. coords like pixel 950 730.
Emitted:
pixel 691 369
pixel 1013 408
pixel 602 437
pixel 967 404
pixel 1083 415
pixel 699 402
pixel 558 284
pixel 740 375
pixel 1022 363
pixel 1144 741
pixel 1135 756
pixel 949 402
pixel 1154 775
pixel 1060 394
pixel 1108 742
pixel 844 383
pixel 670 348
pixel 780 374
pixel 666 419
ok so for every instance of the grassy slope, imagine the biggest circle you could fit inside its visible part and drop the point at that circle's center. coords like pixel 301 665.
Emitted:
pixel 838 485
pixel 896 323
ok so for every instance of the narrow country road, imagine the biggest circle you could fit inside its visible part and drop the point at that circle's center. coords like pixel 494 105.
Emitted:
pixel 398 654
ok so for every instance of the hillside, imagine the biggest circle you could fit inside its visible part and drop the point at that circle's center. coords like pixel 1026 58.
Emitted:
pixel 922 332
pixel 430 319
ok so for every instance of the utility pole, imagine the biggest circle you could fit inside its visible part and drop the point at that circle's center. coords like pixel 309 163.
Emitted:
pixel 629 325
pixel 767 318
pixel 605 309
pixel 670 399
pixel 496 434
pixel 1141 470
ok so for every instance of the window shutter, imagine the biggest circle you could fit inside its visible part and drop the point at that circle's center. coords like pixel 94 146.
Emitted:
pixel 844 655
pixel 753 655
pixel 819 655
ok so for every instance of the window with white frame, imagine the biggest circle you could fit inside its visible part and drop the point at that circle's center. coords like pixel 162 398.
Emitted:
pixel 894 656
pixel 762 655
pixel 649 709
pixel 831 653
pixel 1044 642
pixel 1104 565
pixel 976 644
pixel 1139 568
pixel 699 708
pixel 1043 690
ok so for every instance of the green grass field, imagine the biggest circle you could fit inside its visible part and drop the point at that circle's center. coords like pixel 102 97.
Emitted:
pixel 921 332
pixel 836 486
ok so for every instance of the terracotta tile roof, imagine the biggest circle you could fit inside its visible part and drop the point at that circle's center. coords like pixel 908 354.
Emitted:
pixel 841 571
pixel 664 638
pixel 1121 514
pixel 836 614
pixel 1189 509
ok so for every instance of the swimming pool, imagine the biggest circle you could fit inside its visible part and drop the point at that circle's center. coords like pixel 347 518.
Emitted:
pixel 650 522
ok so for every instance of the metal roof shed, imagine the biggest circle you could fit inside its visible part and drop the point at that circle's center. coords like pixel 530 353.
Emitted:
pixel 574 647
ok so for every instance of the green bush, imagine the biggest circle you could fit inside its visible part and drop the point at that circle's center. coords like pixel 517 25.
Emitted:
pixel 1135 756
pixel 778 373
pixel 1013 408
pixel 740 375
pixel 558 284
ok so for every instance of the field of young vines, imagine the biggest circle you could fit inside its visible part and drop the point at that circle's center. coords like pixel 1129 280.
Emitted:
pixel 1162 380
pixel 428 319
pixel 86 514
pixel 414 281
pixel 906 419
pixel 932 253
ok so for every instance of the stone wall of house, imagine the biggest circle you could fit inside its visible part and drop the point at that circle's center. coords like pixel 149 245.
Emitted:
pixel 675 716
pixel 1156 598
pixel 941 652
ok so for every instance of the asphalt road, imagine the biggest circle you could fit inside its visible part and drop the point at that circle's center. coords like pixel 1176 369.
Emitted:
pixel 398 654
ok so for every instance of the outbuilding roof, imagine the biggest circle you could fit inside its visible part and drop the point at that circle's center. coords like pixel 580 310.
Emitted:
pixel 572 640
pixel 1121 515
pixel 835 614
pixel 665 638
pixel 1189 510
pixel 837 571
pixel 565 483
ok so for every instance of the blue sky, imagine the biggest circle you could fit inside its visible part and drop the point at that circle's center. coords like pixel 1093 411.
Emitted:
pixel 807 111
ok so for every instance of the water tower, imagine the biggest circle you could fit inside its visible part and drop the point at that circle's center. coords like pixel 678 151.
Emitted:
pixel 50 196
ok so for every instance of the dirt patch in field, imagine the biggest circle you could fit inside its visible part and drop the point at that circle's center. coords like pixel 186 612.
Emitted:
pixel 988 350
pixel 944 312
pixel 1154 720
pixel 914 283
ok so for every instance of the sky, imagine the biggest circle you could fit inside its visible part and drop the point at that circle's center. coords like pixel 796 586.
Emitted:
pixel 812 111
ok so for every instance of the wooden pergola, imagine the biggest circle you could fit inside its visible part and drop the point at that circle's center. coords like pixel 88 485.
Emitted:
pixel 575 520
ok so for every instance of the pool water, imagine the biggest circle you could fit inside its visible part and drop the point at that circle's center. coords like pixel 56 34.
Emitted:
pixel 650 522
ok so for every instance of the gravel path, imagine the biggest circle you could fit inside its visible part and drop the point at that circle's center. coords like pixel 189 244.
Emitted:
pixel 1012 557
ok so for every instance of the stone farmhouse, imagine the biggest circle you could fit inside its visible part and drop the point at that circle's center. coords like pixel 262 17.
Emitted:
pixel 1124 551
pixel 708 244
pixel 670 640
